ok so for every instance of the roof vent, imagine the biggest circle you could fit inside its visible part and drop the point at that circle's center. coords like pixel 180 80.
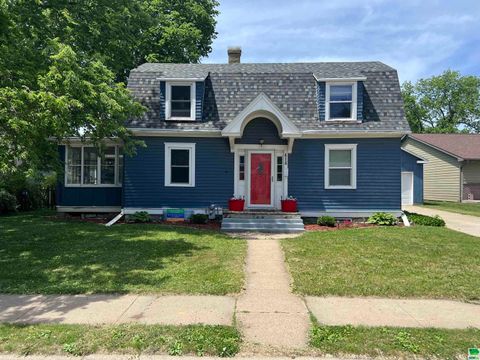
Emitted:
pixel 234 54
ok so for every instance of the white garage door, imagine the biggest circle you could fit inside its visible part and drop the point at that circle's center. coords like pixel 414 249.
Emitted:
pixel 407 188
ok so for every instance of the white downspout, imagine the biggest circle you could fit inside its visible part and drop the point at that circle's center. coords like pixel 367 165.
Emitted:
pixel 115 219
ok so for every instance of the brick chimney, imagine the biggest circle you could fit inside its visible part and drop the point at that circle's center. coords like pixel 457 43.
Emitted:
pixel 234 54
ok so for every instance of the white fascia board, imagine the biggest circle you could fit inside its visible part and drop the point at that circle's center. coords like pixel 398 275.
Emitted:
pixel 346 79
pixel 175 132
pixel 183 79
pixel 460 159
pixel 78 141
pixel 423 161
pixel 318 134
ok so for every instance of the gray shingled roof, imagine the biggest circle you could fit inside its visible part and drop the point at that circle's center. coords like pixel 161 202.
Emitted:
pixel 292 87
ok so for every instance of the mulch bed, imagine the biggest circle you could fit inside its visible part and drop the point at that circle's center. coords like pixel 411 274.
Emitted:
pixel 211 225
pixel 340 226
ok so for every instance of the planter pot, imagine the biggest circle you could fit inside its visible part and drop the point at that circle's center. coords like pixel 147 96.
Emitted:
pixel 289 205
pixel 236 204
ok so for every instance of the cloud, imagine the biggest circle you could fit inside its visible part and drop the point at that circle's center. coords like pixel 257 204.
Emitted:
pixel 419 38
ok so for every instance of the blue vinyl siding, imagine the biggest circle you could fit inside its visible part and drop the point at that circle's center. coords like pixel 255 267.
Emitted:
pixel 144 181
pixel 321 89
pixel 261 128
pixel 86 196
pixel 321 99
pixel 378 176
pixel 360 101
pixel 409 163
pixel 199 93
pixel 163 97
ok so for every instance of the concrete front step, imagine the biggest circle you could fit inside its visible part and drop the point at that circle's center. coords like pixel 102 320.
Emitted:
pixel 272 222
pixel 269 225
pixel 260 215
pixel 263 221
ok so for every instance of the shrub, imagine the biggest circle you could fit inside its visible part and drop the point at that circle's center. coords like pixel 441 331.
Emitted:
pixel 8 202
pixel 326 221
pixel 418 219
pixel 199 218
pixel 141 217
pixel 383 219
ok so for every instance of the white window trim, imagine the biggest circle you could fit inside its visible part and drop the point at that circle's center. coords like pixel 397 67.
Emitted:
pixel 354 86
pixel 168 99
pixel 353 180
pixel 99 168
pixel 168 163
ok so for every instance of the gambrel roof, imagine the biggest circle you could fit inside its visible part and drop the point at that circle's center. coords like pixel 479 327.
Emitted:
pixel 292 87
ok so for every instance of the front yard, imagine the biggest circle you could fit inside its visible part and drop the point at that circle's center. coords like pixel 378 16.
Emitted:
pixel 79 340
pixel 461 208
pixel 42 254
pixel 404 343
pixel 424 262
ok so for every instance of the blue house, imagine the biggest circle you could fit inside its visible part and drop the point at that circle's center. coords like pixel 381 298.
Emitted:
pixel 328 134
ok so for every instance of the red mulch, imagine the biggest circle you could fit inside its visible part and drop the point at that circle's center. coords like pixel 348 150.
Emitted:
pixel 211 225
pixel 349 225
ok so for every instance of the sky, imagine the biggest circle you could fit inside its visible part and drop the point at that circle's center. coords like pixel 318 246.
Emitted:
pixel 418 38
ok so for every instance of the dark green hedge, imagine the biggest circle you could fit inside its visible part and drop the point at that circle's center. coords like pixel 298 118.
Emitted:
pixel 418 219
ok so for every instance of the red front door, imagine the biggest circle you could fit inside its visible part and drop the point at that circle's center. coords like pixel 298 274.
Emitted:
pixel 260 179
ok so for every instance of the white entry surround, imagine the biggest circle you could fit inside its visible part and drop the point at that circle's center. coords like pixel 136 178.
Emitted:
pixel 279 188
pixel 262 106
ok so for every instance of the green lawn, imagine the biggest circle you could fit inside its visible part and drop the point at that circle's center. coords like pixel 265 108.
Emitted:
pixel 124 339
pixel 461 208
pixel 426 262
pixel 394 342
pixel 40 254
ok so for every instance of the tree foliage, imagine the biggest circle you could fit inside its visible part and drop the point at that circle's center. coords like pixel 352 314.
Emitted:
pixel 447 103
pixel 63 67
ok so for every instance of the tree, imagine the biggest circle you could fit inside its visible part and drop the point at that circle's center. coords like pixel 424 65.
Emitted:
pixel 446 103
pixel 63 65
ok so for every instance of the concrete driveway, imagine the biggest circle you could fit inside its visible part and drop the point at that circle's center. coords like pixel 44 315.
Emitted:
pixel 464 223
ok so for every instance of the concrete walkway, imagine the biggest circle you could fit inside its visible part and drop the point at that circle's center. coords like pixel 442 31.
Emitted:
pixel 115 309
pixel 267 312
pixel 464 223
pixel 394 312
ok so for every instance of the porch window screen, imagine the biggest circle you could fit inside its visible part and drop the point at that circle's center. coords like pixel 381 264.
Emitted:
pixel 74 166
pixel 90 166
pixel 85 166
pixel 108 166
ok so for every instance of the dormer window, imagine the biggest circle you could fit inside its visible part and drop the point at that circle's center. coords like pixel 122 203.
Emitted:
pixel 180 101
pixel 341 101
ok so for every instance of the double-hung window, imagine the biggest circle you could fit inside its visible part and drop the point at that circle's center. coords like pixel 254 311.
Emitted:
pixel 341 101
pixel 85 166
pixel 340 166
pixel 180 164
pixel 180 101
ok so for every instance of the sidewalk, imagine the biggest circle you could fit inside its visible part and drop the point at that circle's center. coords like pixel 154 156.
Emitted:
pixel 394 312
pixel 167 357
pixel 268 313
pixel 115 309
pixel 464 223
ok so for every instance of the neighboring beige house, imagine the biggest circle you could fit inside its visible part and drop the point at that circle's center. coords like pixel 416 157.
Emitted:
pixel 452 171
